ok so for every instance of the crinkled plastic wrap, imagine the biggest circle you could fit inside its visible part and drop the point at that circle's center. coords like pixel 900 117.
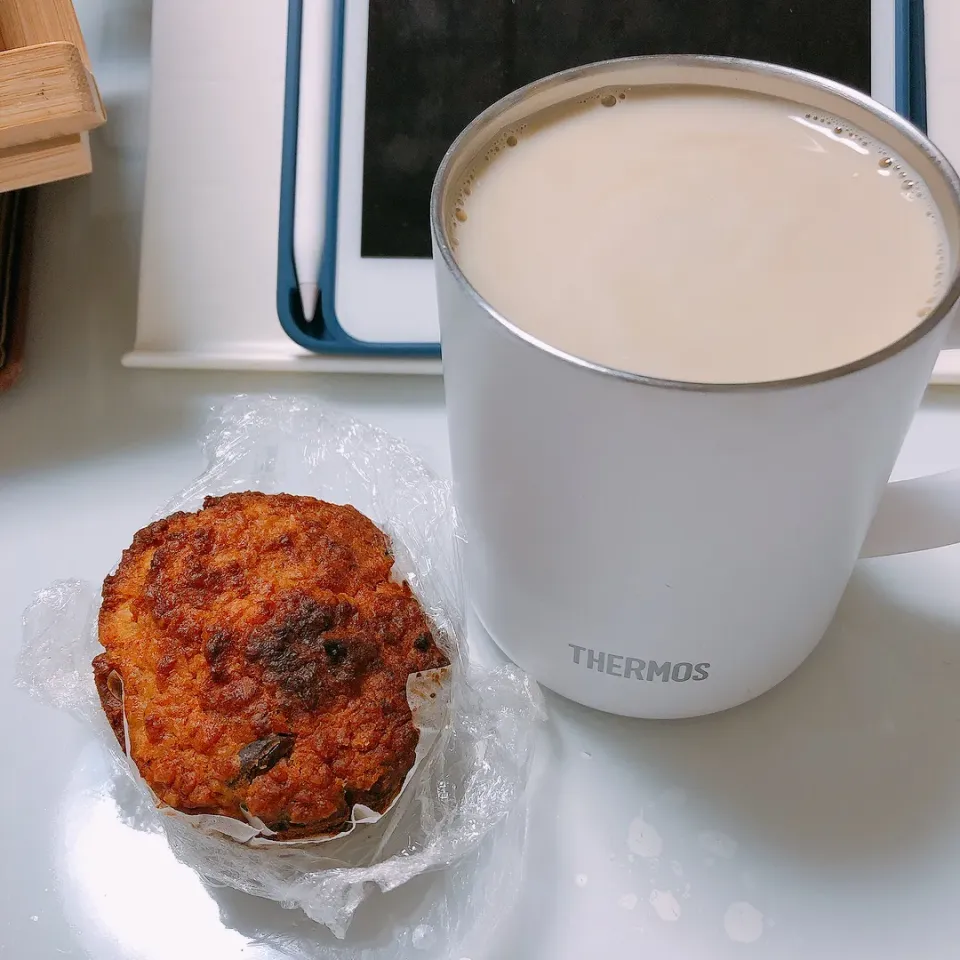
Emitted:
pixel 464 810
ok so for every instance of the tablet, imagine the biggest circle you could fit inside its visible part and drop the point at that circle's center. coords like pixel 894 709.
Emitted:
pixel 413 74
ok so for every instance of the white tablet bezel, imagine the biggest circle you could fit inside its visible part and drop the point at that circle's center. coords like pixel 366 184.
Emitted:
pixel 383 300
pixel 378 300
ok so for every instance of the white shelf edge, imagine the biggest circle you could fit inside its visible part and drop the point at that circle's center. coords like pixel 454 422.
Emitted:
pixel 947 370
pixel 945 373
pixel 277 362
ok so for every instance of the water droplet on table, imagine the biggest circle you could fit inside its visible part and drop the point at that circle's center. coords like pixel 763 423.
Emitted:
pixel 628 901
pixel 743 922
pixel 643 838
pixel 665 904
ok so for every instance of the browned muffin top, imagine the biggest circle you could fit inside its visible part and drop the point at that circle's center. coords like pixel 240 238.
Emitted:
pixel 264 653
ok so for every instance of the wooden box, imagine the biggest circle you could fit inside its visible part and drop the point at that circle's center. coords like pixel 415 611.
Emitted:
pixel 48 97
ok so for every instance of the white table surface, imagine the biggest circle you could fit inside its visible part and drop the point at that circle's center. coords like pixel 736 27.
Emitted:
pixel 823 818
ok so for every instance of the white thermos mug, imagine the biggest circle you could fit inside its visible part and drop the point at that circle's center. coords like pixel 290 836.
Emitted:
pixel 665 549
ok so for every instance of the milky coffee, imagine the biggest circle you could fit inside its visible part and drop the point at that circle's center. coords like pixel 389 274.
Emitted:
pixel 712 237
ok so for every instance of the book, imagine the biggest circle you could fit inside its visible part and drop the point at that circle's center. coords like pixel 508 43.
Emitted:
pixel 14 241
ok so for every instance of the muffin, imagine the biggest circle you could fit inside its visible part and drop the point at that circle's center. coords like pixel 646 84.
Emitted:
pixel 256 660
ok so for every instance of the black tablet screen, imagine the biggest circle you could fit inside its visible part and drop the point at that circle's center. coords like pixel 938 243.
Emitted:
pixel 433 65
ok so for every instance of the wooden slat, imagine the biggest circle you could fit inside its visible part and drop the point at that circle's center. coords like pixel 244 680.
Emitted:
pixel 24 23
pixel 31 164
pixel 48 97
pixel 46 91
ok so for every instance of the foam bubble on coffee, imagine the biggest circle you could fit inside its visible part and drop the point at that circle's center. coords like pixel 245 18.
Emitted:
pixel 699 235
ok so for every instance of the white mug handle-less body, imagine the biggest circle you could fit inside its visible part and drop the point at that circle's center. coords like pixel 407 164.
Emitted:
pixel 663 549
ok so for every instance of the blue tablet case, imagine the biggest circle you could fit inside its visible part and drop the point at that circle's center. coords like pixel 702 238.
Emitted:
pixel 324 334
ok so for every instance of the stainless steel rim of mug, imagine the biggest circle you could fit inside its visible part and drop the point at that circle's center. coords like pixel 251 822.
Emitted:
pixel 485 122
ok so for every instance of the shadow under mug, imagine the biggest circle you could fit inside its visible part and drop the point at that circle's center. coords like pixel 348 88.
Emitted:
pixel 659 548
